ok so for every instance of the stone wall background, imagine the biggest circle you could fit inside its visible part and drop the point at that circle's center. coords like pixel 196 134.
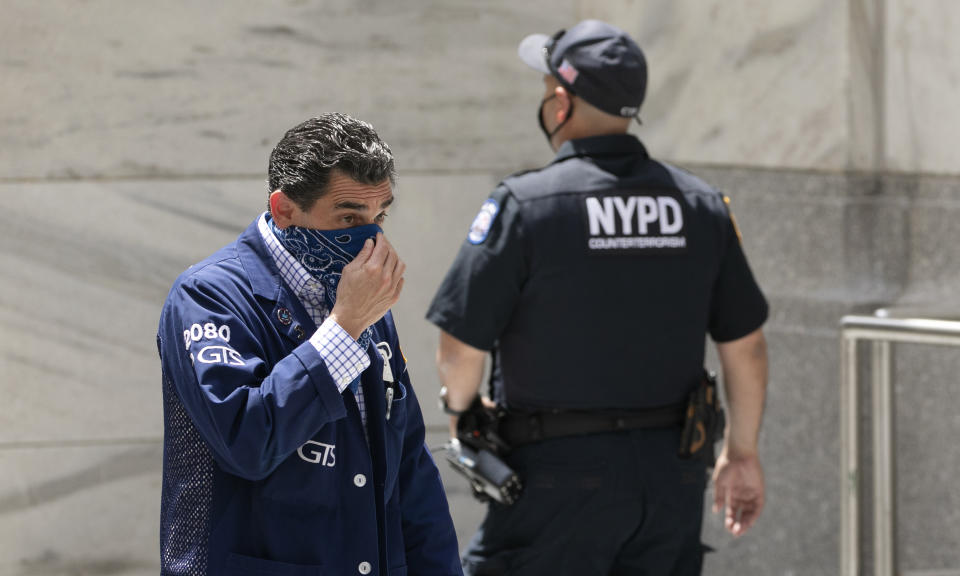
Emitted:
pixel 134 142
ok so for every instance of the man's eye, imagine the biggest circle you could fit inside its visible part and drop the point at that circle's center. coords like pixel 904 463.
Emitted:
pixel 380 218
pixel 348 219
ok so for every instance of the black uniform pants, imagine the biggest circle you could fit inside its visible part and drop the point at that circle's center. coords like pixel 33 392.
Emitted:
pixel 602 505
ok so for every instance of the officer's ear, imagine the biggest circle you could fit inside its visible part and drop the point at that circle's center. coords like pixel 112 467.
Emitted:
pixel 564 104
pixel 282 208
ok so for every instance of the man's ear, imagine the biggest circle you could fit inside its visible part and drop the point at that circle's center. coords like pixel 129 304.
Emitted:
pixel 282 208
pixel 565 101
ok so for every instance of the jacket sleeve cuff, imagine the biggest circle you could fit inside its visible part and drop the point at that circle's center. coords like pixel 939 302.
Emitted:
pixel 344 357
pixel 316 370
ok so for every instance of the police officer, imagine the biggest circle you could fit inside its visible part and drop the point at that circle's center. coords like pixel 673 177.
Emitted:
pixel 293 440
pixel 594 280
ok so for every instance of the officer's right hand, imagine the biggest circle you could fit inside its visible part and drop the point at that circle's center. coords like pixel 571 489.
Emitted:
pixel 368 287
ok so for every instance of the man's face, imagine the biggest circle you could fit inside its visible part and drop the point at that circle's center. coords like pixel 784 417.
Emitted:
pixel 346 204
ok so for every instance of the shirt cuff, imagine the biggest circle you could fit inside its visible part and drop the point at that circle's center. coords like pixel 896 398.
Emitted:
pixel 345 358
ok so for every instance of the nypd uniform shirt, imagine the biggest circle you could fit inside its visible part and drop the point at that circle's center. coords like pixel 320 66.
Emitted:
pixel 266 468
pixel 597 278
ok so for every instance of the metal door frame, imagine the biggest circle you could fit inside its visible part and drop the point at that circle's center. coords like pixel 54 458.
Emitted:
pixel 882 332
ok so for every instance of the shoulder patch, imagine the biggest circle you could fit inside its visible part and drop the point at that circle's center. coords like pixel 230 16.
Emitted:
pixel 483 222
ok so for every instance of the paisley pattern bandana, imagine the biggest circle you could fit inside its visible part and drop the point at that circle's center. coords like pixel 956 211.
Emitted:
pixel 324 253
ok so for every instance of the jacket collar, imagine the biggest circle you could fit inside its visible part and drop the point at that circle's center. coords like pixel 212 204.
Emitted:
pixel 287 313
pixel 609 145
pixel 258 263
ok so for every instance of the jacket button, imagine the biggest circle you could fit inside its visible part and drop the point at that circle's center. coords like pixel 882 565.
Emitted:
pixel 364 568
pixel 360 481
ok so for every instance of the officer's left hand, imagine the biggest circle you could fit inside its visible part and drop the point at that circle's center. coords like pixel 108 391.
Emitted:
pixel 738 490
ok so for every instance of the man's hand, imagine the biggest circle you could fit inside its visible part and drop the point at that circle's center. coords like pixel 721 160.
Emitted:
pixel 738 477
pixel 369 287
pixel 460 367
pixel 738 491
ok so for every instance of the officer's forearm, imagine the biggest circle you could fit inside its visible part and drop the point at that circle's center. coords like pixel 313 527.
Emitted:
pixel 460 367
pixel 745 382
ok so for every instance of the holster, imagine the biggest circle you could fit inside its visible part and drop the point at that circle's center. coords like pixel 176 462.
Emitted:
pixel 476 454
pixel 704 422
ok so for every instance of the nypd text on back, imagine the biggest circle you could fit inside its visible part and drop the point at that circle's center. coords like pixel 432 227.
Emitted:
pixel 648 223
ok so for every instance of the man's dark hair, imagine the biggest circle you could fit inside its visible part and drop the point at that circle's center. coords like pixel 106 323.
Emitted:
pixel 302 162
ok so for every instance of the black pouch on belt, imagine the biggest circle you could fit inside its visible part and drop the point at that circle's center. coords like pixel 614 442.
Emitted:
pixel 704 422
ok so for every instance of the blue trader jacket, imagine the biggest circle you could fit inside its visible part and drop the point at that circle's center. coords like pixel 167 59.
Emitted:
pixel 266 470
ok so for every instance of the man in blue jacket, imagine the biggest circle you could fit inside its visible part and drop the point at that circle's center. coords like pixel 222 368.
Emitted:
pixel 293 441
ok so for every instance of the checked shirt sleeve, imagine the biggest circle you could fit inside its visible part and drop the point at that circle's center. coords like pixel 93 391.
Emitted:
pixel 344 357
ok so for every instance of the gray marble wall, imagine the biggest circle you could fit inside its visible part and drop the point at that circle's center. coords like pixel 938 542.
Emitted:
pixel 134 142
pixel 811 84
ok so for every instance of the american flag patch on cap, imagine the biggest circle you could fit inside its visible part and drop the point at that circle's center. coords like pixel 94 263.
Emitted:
pixel 568 72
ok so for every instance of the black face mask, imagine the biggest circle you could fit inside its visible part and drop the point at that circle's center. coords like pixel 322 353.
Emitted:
pixel 543 126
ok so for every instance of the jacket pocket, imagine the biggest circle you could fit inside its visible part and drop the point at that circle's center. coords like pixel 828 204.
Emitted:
pixel 394 434
pixel 239 565
pixel 398 407
pixel 310 477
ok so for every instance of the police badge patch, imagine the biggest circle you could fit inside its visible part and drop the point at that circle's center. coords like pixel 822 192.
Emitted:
pixel 483 222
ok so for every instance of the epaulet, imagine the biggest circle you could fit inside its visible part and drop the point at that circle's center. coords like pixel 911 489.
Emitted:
pixel 516 175
pixel 687 180
pixel 521 183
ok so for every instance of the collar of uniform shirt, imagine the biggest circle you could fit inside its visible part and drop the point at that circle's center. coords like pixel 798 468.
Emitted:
pixel 605 145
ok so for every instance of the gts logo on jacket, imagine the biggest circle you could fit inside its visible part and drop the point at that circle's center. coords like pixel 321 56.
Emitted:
pixel 318 453
pixel 644 223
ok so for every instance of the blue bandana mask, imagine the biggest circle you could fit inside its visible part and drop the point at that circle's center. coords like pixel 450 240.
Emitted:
pixel 324 253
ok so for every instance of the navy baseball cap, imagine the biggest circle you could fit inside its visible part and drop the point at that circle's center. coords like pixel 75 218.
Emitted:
pixel 594 60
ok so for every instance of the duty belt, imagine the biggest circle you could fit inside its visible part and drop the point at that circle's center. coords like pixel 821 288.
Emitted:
pixel 522 428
